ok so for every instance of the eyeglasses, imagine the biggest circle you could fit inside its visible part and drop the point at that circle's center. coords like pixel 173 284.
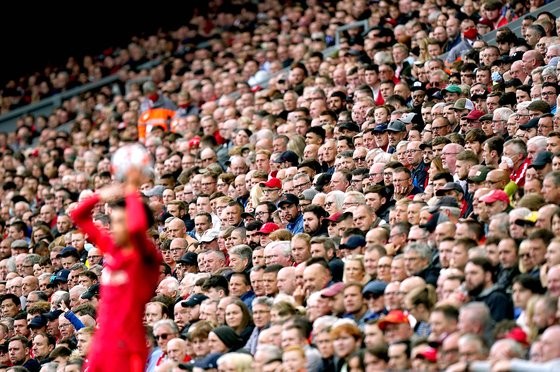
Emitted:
pixel 371 175
pixel 412 151
pixel 438 128
pixel 363 158
pixel 548 93
pixel 449 153
pixel 525 255
pixel 163 336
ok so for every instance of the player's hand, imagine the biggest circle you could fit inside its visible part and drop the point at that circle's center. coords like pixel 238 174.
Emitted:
pixel 111 192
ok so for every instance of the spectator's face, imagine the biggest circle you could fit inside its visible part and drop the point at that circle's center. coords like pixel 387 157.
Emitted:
pixel 17 352
pixel 41 348
pixel 398 359
pixel 84 342
pixel 152 313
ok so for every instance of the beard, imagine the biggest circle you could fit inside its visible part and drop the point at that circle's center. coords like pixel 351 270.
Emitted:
pixel 474 292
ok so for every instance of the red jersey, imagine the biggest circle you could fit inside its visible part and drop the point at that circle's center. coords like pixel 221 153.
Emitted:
pixel 128 282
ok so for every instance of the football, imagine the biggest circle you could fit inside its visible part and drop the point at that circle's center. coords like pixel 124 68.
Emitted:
pixel 128 156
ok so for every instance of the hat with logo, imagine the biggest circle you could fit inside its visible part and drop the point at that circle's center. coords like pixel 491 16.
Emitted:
pixel 408 117
pixel 287 199
pixel 273 183
pixel 353 242
pixel 480 175
pixel 60 276
pixel 195 299
pixel 463 104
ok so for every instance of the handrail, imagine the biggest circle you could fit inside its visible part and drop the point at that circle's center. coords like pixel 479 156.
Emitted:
pixel 8 120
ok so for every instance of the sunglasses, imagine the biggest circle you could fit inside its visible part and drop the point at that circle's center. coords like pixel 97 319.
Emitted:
pixel 163 336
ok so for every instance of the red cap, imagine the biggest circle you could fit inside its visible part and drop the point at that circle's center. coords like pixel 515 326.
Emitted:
pixel 268 227
pixel 394 317
pixel 333 290
pixel 496 195
pixel 194 142
pixel 335 217
pixel 430 354
pixel 475 115
pixel 519 335
pixel 273 183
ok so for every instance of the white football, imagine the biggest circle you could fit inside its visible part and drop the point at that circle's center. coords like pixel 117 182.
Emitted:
pixel 134 155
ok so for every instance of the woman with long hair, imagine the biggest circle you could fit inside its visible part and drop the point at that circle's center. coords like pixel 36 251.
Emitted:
pixel 239 318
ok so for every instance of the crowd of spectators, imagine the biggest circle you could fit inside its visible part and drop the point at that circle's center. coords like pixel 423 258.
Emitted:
pixel 393 205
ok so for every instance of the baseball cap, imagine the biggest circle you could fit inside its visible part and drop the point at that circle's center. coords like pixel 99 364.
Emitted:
pixel 418 86
pixel 353 242
pixel 474 115
pixel 486 117
pixel 376 288
pixel 273 183
pixel 349 125
pixel 542 159
pixel 195 299
pixel 452 89
pixel 37 322
pixel 189 258
pixel 209 236
pixel 408 117
pixel 60 276
pixel 429 354
pixel 463 104
pixel 494 196
pixel 394 317
pixel 519 335
pixel 69 251
pixel 155 191
pixel 287 199
pixel 533 123
pixel 380 128
pixel 332 290
pixel 486 22
pixel 268 228
pixel 335 217
pixel 449 186
pixel 396 126
pixel 91 292
pixel 480 175
pixel 446 201
pixel 288 156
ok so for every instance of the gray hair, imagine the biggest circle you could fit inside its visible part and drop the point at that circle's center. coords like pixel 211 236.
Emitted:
pixel 242 250
pixel 284 245
pixel 262 300
pixel 166 323
pixel 422 249
pixel 503 113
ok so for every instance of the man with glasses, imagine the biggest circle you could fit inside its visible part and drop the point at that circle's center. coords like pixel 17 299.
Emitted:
pixel 549 93
pixel 403 186
pixel 271 190
pixel 419 168
pixel 440 126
